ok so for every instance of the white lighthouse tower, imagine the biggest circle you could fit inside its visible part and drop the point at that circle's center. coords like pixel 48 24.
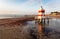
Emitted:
pixel 41 14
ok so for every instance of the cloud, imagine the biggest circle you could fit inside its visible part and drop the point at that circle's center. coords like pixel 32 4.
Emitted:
pixel 52 5
pixel 20 5
pixel 29 5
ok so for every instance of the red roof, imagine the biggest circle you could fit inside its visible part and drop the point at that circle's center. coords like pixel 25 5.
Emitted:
pixel 41 11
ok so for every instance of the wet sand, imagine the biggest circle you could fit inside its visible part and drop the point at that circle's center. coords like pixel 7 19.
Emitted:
pixel 16 31
pixel 29 30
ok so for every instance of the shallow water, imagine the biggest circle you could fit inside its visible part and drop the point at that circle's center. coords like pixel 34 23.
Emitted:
pixel 30 30
pixel 52 29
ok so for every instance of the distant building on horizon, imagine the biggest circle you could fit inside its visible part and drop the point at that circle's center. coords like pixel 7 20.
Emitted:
pixel 55 13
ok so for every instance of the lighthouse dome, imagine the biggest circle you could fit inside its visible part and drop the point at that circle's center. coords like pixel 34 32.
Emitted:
pixel 41 10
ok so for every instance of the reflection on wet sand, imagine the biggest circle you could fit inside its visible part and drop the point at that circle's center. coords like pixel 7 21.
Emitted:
pixel 41 30
pixel 46 32
pixel 28 30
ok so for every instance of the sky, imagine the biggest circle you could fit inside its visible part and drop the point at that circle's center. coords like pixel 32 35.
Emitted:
pixel 28 6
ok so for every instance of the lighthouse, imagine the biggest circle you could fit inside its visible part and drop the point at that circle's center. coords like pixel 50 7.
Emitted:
pixel 41 14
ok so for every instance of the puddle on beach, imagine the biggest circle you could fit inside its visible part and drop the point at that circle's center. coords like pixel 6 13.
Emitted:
pixel 50 30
